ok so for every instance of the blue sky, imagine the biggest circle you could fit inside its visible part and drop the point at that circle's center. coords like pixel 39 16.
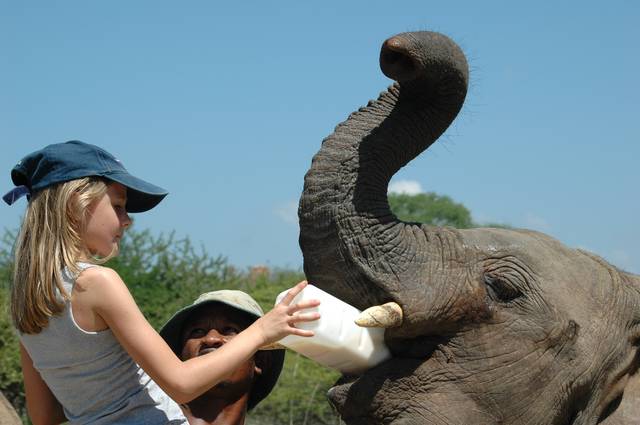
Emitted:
pixel 225 103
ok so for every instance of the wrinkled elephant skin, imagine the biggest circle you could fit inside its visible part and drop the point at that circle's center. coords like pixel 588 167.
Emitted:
pixel 500 326
pixel 628 412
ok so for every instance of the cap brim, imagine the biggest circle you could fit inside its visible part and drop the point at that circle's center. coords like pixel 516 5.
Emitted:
pixel 141 195
pixel 269 377
pixel 170 331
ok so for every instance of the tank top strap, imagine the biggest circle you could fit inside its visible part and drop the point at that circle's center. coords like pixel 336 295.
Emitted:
pixel 69 278
pixel 83 266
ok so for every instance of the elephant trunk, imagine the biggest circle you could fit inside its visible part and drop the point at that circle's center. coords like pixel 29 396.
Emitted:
pixel 353 246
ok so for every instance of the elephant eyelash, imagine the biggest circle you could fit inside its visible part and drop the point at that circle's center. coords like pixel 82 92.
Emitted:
pixel 500 290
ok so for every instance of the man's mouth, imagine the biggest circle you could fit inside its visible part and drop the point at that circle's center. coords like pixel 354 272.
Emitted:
pixel 206 350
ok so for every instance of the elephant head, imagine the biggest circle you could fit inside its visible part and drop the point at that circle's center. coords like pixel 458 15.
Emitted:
pixel 498 326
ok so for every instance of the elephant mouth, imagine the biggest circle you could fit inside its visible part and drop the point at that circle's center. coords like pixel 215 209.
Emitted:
pixel 357 398
pixel 354 394
pixel 403 339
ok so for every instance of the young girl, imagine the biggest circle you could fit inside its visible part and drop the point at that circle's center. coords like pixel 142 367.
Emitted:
pixel 88 354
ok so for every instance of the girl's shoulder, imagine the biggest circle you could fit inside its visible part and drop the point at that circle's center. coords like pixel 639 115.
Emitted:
pixel 96 275
pixel 98 287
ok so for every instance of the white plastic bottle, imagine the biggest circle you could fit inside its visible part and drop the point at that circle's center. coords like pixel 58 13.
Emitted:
pixel 338 342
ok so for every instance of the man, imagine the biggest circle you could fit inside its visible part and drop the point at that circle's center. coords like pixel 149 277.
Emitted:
pixel 207 324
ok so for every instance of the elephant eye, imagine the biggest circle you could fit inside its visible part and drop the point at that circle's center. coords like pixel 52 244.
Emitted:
pixel 501 290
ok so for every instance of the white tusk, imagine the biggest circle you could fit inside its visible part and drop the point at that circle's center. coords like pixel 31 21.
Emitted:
pixel 387 315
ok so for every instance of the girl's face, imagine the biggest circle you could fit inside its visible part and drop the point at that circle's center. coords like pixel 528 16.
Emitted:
pixel 106 221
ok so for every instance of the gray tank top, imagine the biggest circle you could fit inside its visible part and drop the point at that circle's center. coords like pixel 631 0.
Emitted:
pixel 93 377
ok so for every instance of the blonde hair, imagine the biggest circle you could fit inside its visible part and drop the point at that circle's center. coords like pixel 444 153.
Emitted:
pixel 50 239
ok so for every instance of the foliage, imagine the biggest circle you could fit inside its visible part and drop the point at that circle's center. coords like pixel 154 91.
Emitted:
pixel 164 273
pixel 10 372
pixel 433 209
pixel 430 208
pixel 300 395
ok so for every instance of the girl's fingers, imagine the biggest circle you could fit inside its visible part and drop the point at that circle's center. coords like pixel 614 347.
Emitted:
pixel 292 312
pixel 301 332
pixel 302 305
pixel 304 317
pixel 291 294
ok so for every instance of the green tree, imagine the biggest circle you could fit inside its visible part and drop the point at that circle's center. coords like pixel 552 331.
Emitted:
pixel 430 208
pixel 433 209
pixel 10 373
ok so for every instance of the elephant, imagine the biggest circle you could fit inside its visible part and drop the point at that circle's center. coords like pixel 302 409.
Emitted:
pixel 491 325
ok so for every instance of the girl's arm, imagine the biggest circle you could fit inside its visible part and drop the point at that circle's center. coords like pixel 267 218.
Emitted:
pixel 109 297
pixel 42 406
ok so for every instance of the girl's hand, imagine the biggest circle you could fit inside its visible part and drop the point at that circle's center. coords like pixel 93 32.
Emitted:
pixel 281 320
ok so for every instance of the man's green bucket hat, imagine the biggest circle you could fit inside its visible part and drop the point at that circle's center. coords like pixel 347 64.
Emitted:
pixel 171 332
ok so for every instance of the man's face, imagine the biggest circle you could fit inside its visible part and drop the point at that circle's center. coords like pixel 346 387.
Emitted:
pixel 211 326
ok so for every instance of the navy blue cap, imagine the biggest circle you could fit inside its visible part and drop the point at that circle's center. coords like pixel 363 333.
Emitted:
pixel 72 160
